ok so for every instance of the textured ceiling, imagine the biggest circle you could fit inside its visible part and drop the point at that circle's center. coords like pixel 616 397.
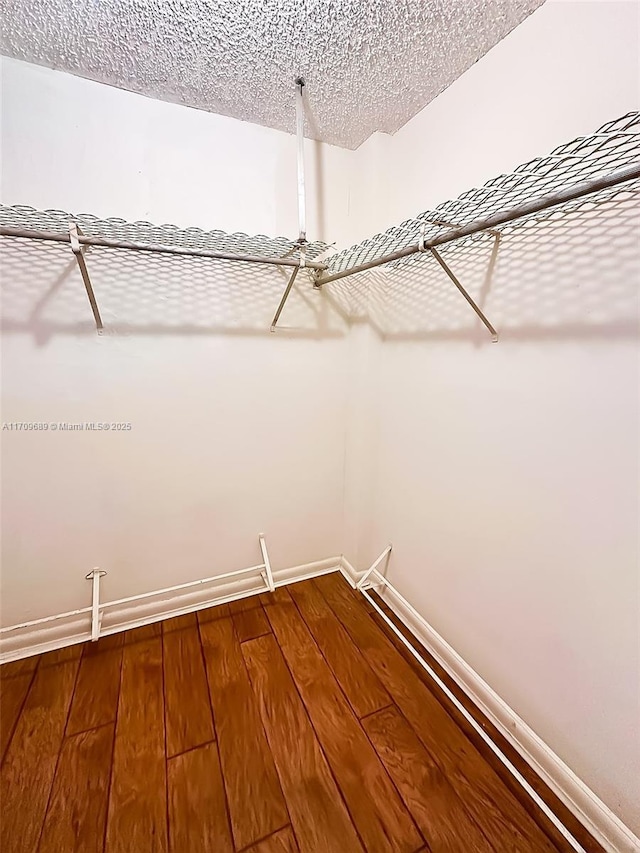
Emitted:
pixel 369 65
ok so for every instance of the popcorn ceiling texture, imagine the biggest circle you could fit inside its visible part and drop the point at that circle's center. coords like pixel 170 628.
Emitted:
pixel 369 65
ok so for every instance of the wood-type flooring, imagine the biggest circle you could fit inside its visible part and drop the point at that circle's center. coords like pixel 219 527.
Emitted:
pixel 290 721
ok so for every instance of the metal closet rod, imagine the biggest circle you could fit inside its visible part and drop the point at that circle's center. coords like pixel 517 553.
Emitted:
pixel 160 249
pixel 619 176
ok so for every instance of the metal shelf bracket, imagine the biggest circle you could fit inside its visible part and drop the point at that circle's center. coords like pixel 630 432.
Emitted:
pixel 268 576
pixel 363 580
pixel 76 248
pixel 96 613
pixel 472 303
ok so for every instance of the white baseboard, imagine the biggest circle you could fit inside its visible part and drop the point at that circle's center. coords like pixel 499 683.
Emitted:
pixel 350 573
pixel 50 636
pixel 588 808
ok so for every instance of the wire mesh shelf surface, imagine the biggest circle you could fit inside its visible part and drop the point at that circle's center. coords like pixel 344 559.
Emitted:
pixel 22 216
pixel 512 270
pixel 615 145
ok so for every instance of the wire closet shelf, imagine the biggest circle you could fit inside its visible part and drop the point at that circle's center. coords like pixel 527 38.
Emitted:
pixel 586 165
pixel 586 170
pixel 84 230
pixel 113 233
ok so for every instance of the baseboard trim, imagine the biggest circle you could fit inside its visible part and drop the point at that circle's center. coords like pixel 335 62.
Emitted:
pixel 588 808
pixel 77 629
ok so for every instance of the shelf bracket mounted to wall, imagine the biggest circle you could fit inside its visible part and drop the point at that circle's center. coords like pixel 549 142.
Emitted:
pixel 96 612
pixel 423 247
pixel 472 303
pixel 268 574
pixel 76 248
pixel 373 568
pixel 285 296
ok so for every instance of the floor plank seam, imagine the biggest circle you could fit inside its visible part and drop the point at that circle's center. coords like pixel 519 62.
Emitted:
pixel 331 669
pixel 166 751
pixel 256 697
pixel 90 729
pixel 113 751
pixel 258 608
pixel 357 718
pixel 226 798
pixel 206 675
pixel 62 739
pixel 264 837
pixel 226 781
pixel 215 730
pixel 378 711
pixel 19 714
pixel 391 780
pixel 191 749
pixel 315 733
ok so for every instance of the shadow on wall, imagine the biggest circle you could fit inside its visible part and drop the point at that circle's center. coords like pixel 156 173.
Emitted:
pixel 568 274
pixel 142 294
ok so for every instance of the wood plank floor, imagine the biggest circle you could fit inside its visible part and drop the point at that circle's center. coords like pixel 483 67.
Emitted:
pixel 289 722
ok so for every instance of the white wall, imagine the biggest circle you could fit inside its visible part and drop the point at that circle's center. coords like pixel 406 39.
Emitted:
pixel 506 475
pixel 234 431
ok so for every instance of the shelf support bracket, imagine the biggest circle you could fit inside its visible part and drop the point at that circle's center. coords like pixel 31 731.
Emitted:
pixel 267 564
pixel 373 567
pixel 454 279
pixel 287 289
pixel 76 248
pixel 96 614
pixel 285 296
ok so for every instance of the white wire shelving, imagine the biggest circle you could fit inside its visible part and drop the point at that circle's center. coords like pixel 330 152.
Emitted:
pixel 584 171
